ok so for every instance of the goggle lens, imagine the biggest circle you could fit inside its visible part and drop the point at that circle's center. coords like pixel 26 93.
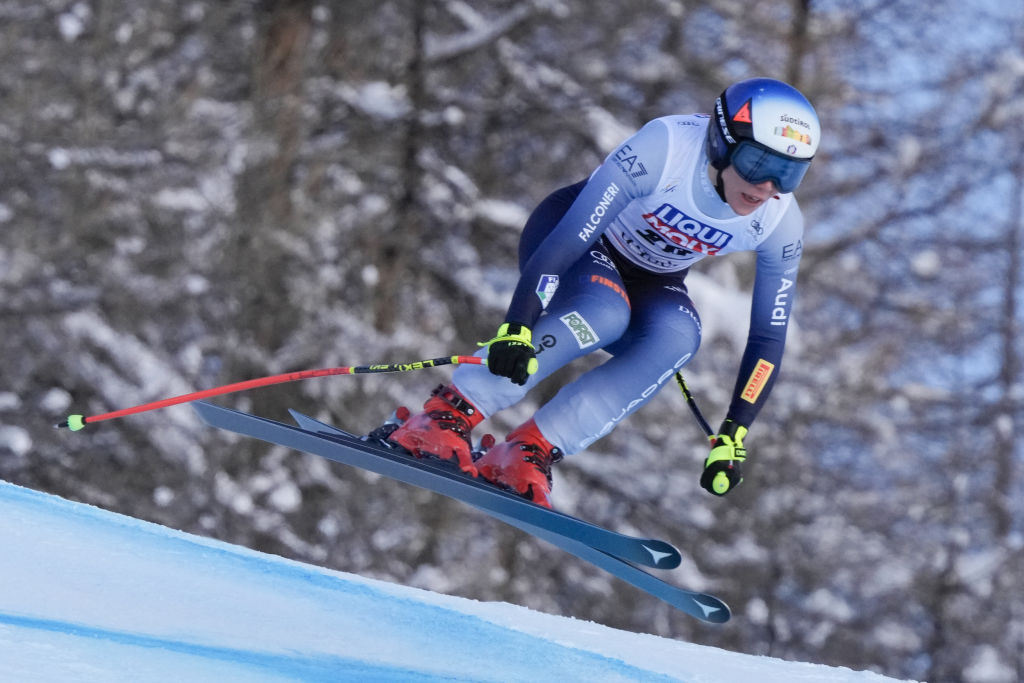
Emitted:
pixel 756 164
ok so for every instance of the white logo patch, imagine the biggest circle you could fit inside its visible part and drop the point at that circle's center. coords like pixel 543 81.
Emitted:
pixel 581 329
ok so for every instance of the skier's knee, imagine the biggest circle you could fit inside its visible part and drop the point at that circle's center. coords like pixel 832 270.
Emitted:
pixel 680 332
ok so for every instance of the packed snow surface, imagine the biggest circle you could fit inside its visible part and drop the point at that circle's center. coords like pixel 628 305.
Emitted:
pixel 89 595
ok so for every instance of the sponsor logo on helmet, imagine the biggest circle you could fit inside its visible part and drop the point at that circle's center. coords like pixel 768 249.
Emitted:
pixel 786 118
pixel 722 123
pixel 743 115
pixel 793 134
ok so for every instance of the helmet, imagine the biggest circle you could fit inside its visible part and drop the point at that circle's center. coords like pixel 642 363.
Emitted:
pixel 766 129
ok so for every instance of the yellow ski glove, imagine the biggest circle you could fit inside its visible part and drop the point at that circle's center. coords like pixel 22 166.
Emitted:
pixel 722 471
pixel 511 353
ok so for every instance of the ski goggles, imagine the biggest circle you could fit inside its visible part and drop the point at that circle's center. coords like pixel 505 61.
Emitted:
pixel 755 163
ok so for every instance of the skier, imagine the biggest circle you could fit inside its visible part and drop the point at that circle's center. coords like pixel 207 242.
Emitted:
pixel 602 266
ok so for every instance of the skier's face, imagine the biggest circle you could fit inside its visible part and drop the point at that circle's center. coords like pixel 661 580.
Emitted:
pixel 742 197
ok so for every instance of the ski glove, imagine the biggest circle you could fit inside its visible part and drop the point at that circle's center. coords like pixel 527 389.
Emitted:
pixel 722 471
pixel 511 353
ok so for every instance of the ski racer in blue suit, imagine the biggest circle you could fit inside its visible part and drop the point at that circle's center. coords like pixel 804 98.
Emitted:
pixel 603 264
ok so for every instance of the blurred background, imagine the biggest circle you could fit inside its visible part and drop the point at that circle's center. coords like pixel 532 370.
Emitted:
pixel 201 192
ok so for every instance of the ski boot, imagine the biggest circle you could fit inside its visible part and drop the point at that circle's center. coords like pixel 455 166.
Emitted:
pixel 441 430
pixel 522 463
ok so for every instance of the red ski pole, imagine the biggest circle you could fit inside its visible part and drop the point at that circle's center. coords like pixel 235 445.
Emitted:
pixel 77 422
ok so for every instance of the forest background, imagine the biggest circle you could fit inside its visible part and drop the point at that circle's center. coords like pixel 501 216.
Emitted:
pixel 196 193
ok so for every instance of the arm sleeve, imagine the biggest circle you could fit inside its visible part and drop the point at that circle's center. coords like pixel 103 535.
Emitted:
pixel 632 170
pixel 778 259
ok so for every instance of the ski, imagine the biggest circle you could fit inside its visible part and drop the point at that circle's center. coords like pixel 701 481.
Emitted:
pixel 700 605
pixel 703 606
pixel 313 436
pixel 609 550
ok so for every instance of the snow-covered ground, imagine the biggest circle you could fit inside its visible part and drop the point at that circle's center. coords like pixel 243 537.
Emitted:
pixel 88 595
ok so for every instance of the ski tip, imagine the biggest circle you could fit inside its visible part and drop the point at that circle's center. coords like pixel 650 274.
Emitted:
pixel 722 616
pixel 712 610
pixel 663 554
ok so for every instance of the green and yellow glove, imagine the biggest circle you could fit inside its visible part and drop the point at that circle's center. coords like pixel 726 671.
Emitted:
pixel 511 353
pixel 722 471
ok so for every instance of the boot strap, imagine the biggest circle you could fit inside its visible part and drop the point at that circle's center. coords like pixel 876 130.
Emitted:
pixel 456 401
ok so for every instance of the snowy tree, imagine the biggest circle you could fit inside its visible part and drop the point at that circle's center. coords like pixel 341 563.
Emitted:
pixel 198 193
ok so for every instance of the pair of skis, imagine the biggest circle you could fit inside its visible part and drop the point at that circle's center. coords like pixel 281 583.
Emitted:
pixel 616 553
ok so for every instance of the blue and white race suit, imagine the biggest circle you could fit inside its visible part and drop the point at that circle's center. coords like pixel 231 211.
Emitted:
pixel 602 266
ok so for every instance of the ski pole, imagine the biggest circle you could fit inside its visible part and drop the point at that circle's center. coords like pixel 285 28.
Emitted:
pixel 692 402
pixel 77 422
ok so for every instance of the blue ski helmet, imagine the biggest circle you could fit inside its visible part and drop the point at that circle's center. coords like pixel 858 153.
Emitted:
pixel 766 129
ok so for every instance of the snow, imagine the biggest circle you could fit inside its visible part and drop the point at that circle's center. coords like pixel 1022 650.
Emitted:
pixel 72 24
pixel 378 99
pixel 180 199
pixel 503 213
pixel 926 264
pixel 986 666
pixel 17 439
pixel 95 596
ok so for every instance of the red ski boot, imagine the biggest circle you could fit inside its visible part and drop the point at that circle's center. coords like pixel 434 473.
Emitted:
pixel 522 463
pixel 442 429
